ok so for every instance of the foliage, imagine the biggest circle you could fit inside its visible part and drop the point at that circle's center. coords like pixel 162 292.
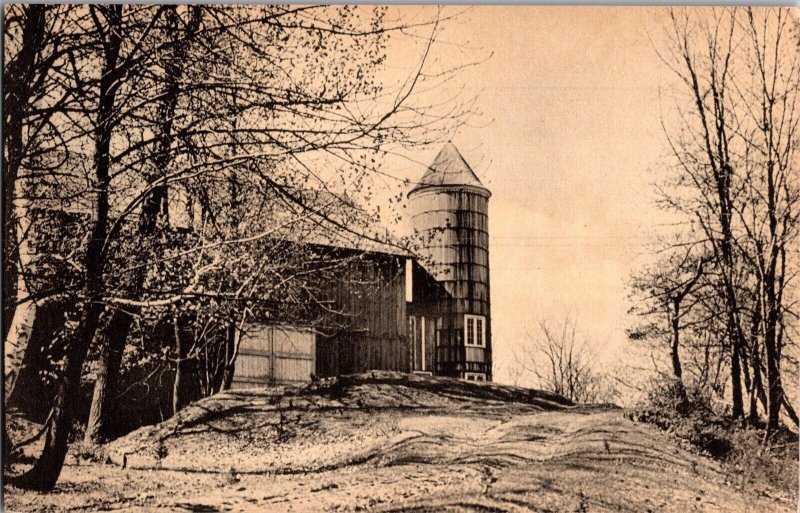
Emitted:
pixel 692 415
pixel 760 465
pixel 686 414
pixel 198 151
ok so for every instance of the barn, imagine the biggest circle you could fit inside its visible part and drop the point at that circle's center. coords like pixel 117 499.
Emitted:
pixel 427 312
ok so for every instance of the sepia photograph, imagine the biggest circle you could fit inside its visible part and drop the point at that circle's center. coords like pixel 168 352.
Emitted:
pixel 400 258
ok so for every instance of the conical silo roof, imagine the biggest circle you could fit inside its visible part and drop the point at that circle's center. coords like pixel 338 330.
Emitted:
pixel 448 168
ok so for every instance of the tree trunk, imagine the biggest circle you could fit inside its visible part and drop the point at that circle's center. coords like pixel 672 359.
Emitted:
pixel 154 215
pixel 736 385
pixel 754 388
pixel 179 388
pixel 19 333
pixel 772 309
pixel 174 68
pixel 112 338
pixel 230 355
pixel 7 448
pixel 677 370
pixel 735 334
pixel 774 389
pixel 18 76
pixel 44 473
pixel 734 331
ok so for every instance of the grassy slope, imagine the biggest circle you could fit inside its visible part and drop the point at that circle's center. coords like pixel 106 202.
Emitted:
pixel 393 442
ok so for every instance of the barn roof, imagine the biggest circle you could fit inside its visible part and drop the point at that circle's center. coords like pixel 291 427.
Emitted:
pixel 357 241
pixel 333 220
pixel 448 168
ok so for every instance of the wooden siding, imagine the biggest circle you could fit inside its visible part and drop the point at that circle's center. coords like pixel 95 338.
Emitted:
pixel 453 224
pixel 427 299
pixel 274 354
pixel 370 330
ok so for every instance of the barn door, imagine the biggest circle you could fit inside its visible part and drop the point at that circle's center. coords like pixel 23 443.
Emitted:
pixel 293 358
pixel 274 354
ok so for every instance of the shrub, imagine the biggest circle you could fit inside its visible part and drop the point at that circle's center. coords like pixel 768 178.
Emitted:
pixel 83 451
pixel 758 464
pixel 687 414
pixel 690 415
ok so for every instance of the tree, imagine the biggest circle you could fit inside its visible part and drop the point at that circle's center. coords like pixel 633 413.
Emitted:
pixel 732 138
pixel 561 363
pixel 215 116
pixel 44 474
pixel 673 290
pixel 768 213
pixel 36 55
pixel 153 217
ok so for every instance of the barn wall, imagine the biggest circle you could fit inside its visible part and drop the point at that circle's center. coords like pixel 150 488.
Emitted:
pixel 369 332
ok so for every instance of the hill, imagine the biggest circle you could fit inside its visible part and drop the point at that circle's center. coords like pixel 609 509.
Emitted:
pixel 394 442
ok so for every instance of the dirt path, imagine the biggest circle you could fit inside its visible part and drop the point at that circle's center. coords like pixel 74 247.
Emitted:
pixel 382 447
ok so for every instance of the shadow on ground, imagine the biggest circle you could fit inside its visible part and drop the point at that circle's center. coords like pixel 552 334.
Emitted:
pixel 387 441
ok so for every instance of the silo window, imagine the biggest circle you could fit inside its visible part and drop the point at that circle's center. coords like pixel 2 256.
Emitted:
pixel 475 330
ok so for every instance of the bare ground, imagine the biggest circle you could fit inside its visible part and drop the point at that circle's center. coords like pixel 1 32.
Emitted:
pixel 392 442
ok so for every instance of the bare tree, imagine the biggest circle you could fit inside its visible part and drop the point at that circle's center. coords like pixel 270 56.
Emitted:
pixel 561 363
pixel 732 135
pixel 36 58
pixel 153 217
pixel 768 214
pixel 673 288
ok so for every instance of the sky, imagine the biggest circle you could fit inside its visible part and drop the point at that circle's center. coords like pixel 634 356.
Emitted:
pixel 569 140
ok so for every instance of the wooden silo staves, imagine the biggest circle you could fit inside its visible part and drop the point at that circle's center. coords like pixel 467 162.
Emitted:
pixel 449 209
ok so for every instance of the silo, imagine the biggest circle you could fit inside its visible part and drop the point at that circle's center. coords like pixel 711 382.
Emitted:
pixel 449 214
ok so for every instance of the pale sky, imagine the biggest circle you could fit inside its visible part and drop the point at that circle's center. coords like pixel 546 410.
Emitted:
pixel 569 141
